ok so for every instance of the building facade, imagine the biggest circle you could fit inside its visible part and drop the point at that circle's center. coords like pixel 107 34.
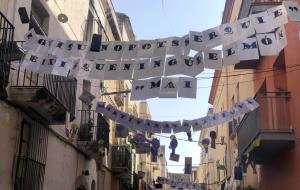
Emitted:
pixel 50 139
pixel 263 142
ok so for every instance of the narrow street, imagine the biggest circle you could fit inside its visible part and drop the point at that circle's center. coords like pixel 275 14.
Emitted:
pixel 149 95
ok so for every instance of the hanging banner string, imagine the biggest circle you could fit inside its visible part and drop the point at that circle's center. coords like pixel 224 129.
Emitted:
pixel 138 124
pixel 153 65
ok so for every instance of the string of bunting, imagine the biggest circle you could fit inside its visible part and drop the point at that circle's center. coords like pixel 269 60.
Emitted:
pixel 138 124
pixel 154 65
pixel 180 183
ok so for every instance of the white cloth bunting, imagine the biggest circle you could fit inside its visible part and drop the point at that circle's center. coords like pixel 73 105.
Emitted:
pixel 118 60
pixel 211 120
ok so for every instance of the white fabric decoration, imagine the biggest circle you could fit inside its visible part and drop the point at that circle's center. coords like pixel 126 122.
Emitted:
pixel 197 41
pixel 230 54
pixel 267 44
pixel 293 10
pixel 193 65
pixel 130 51
pixel 157 66
pixel 112 69
pixel 126 70
pixel 213 59
pixel 187 87
pixel 248 49
pixel 153 87
pixel 169 87
pixel 245 28
pixel 174 45
pixel 138 90
pixel 47 65
pixel 186 44
pixel 31 61
pixel 145 48
pixel 116 50
pixel 281 38
pixel 278 15
pixel 97 69
pixel 141 68
pixel 160 48
pixel 262 22
pixel 229 32
pixel 62 67
pixel 173 65
pixel 212 37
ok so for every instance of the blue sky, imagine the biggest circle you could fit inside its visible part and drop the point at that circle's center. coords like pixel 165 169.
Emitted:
pixel 153 19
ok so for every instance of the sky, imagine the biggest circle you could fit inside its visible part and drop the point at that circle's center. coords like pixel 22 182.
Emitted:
pixel 153 19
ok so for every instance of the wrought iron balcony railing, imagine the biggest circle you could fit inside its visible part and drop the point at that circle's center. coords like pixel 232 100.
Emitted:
pixel 121 159
pixel 48 95
pixel 6 49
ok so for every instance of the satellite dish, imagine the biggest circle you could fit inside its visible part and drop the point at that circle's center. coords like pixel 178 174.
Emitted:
pixel 62 18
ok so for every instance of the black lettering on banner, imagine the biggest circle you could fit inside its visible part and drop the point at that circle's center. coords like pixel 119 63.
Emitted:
pixel 86 67
pixel 175 43
pixel 51 61
pixel 260 20
pixel 127 67
pixel 70 46
pixel 118 47
pixel 131 47
pixel 63 64
pixel 43 62
pixel 249 46
pixel 246 24
pixel 198 59
pixel 170 85
pixel 112 67
pixel 146 46
pixel 280 34
pixel 99 66
pixel 198 38
pixel 160 44
pixel 104 47
pixel 29 36
pixel 139 87
pixel 142 66
pixel 172 62
pixel 33 58
pixel 212 35
pixel 42 42
pixel 81 47
pixel 228 30
pixel 157 63
pixel 155 84
pixel 59 44
pixel 293 9
pixel 130 119
pixel 277 13
pixel 187 84
pixel 266 41
pixel 122 116
pixel 230 52
pixel 189 62
pixel 213 56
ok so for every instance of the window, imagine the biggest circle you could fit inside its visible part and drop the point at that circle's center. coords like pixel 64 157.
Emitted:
pixel 39 18
pixel 32 155
pixel 89 26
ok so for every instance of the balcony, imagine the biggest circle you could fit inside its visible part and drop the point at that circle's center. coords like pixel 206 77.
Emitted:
pixel 44 96
pixel 121 160
pixel 6 49
pixel 92 136
pixel 266 132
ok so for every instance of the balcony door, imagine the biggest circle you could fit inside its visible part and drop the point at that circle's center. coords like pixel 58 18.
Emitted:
pixel 32 155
